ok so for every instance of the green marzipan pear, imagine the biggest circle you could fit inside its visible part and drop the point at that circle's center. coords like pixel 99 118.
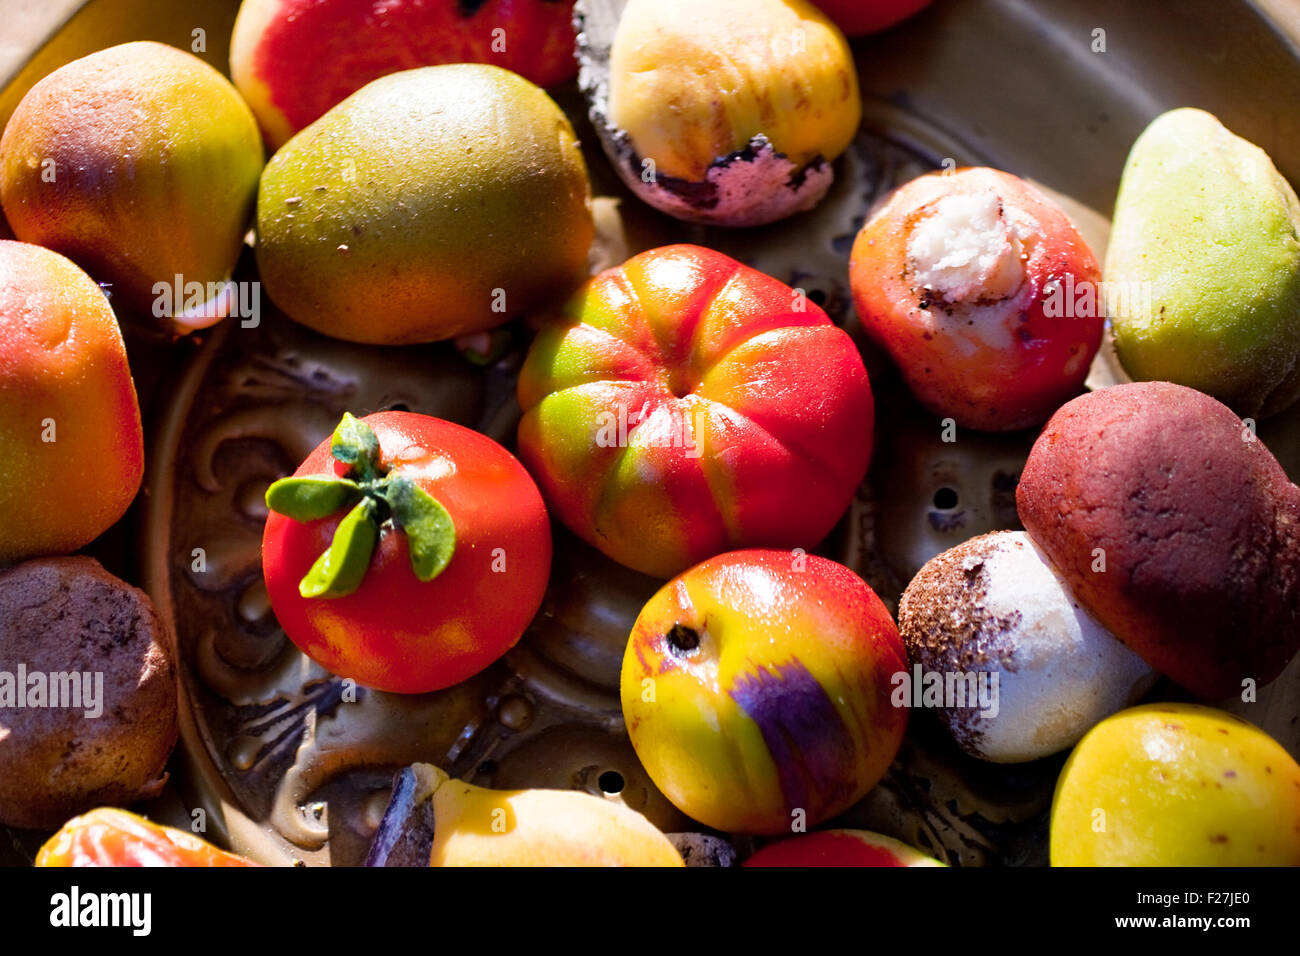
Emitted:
pixel 1204 248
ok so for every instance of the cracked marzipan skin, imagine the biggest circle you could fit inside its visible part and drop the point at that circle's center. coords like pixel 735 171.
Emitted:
pixel 1199 525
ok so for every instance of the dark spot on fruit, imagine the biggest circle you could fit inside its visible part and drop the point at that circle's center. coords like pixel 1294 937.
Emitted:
pixel 1229 773
pixel 1219 838
pixel 682 639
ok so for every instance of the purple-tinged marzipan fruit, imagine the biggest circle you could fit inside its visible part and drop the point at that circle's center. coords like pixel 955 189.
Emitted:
pixel 756 690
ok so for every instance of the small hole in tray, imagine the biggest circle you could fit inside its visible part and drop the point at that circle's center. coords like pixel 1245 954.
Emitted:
pixel 611 781
pixel 945 499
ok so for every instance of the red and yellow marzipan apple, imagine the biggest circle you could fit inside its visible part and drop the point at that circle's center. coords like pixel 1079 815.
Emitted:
pixel 755 690
pixel 840 848
pixel 684 404
pixel 294 59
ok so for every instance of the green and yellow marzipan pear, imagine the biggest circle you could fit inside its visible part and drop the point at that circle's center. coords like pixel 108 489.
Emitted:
pixel 430 203
pixel 1204 249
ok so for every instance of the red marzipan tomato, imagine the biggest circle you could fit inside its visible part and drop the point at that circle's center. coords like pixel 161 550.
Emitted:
pixel 395 632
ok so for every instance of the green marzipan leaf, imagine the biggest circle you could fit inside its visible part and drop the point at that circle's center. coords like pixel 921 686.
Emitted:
pixel 340 569
pixel 430 532
pixel 310 498
pixel 355 443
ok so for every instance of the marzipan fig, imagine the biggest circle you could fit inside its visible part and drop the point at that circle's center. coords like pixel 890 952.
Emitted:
pixel 139 163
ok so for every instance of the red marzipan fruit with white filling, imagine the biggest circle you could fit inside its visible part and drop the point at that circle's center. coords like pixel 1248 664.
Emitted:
pixel 984 294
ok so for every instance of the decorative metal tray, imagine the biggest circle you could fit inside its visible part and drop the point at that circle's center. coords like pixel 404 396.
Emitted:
pixel 287 770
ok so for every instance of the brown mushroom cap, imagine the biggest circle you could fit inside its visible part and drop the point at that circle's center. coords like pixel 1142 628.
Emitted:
pixel 1175 527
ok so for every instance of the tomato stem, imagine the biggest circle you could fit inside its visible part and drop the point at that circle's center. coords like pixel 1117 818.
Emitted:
pixel 380 500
